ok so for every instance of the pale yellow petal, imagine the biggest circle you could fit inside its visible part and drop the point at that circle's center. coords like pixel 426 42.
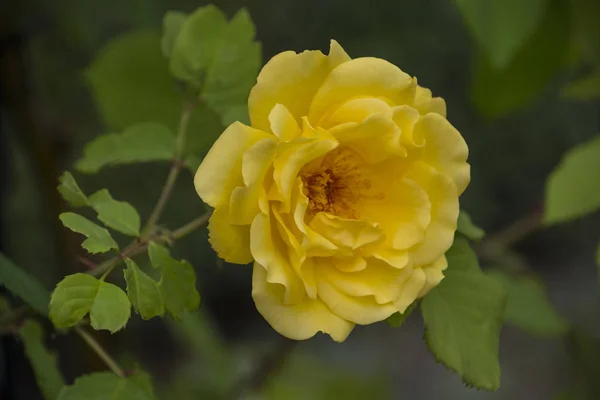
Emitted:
pixel 221 169
pixel 348 234
pixel 231 242
pixel 292 80
pixel 337 55
pixel 425 103
pixel 270 250
pixel 361 77
pixel 444 213
pixel 244 202
pixel 395 258
pixel 357 110
pixel 374 139
pixel 445 149
pixel 410 290
pixel 299 321
pixel 405 117
pixel 293 155
pixel 353 263
pixel 379 280
pixel 360 310
pixel 399 206
pixel 434 274
pixel 283 123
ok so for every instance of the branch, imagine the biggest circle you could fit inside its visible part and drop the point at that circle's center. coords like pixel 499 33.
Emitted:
pixel 165 195
pixel 141 245
pixel 94 345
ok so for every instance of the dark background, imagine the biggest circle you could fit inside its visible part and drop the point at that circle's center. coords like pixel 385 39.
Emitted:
pixel 47 113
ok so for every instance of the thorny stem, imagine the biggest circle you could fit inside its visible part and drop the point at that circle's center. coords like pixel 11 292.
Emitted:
pixel 94 345
pixel 176 166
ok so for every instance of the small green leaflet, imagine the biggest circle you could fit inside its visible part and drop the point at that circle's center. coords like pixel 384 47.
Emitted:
pixel 111 308
pixel 528 306
pixel 468 228
pixel 573 188
pixel 78 294
pixel 131 82
pixel 103 386
pixel 177 282
pixel 27 287
pixel 396 320
pixel 119 215
pixel 501 27
pixel 172 22
pixel 43 361
pixel 70 191
pixel 143 292
pixel 463 317
pixel 219 58
pixel 98 239
pixel 142 142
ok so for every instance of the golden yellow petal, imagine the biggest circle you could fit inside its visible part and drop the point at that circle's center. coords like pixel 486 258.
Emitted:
pixel 361 77
pixel 360 310
pixel 434 274
pixel 292 80
pixel 221 169
pixel 439 235
pixel 425 103
pixel 283 123
pixel 269 249
pixel 299 321
pixel 356 110
pixel 346 234
pixel 244 202
pixel 445 149
pixel 231 242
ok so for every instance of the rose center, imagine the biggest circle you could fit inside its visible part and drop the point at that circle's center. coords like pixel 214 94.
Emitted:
pixel 335 183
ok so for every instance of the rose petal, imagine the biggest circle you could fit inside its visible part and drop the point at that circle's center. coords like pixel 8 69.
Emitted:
pixel 292 80
pixel 299 321
pixel 361 77
pixel 231 242
pixel 445 149
pixel 221 169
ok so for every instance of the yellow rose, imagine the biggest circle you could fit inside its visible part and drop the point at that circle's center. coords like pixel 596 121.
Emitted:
pixel 343 191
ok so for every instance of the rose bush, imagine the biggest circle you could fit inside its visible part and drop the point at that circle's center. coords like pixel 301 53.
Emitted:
pixel 343 191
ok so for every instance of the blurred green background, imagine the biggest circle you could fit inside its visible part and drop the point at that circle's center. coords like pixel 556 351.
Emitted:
pixel 516 78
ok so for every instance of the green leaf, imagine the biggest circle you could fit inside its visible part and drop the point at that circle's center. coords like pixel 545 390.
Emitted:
pixel 131 82
pixel 103 386
pixel 111 308
pixel 468 228
pixel 528 306
pixel 98 239
pixel 43 361
pixel 139 143
pixel 501 27
pixel 143 292
pixel 219 58
pixel 463 317
pixel 27 287
pixel 72 299
pixel 177 282
pixel 397 319
pixel 115 214
pixel 573 188
pixel 519 83
pixel 144 381
pixel 78 294
pixel 587 88
pixel 70 191
pixel 172 22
